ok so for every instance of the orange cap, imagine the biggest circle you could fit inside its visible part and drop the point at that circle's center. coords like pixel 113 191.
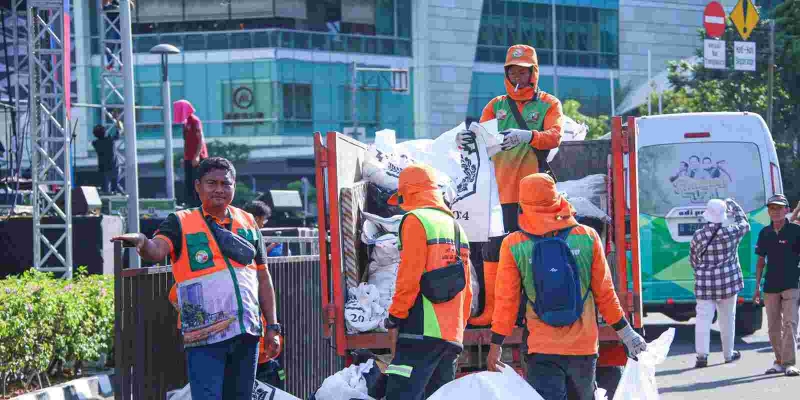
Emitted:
pixel 522 55
pixel 414 179
pixel 538 190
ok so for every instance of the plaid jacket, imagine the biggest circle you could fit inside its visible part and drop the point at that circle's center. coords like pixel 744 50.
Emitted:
pixel 717 273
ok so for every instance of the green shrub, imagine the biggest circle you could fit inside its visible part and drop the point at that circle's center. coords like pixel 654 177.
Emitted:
pixel 43 319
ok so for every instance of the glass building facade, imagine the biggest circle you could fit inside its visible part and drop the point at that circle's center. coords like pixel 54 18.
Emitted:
pixel 587 39
pixel 272 95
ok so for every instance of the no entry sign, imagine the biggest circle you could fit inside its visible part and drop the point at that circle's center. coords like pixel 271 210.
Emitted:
pixel 714 19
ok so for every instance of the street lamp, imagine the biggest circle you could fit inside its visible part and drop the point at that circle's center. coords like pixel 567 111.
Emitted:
pixel 166 99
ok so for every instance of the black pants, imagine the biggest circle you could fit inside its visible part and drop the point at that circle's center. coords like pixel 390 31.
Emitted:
pixel 420 368
pixel 558 377
pixel 190 174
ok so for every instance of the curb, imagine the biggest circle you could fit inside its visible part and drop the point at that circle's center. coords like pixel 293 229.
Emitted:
pixel 91 388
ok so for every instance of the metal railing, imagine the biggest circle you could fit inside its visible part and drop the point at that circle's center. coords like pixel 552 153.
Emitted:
pixel 275 38
pixel 149 355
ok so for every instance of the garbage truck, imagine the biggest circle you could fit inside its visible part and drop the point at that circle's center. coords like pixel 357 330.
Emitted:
pixel 342 201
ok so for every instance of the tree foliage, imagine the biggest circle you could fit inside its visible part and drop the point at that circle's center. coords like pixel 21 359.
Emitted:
pixel 697 89
pixel 598 126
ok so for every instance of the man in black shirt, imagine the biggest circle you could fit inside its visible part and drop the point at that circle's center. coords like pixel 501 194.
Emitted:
pixel 780 244
pixel 107 160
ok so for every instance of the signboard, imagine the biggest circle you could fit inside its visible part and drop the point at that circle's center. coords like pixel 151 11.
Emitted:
pixel 714 54
pixel 745 18
pixel 246 106
pixel 744 56
pixel 714 19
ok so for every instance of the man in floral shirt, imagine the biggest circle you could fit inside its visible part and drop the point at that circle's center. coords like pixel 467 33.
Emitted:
pixel 714 256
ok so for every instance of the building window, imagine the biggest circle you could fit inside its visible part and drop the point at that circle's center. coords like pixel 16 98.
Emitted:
pixel 297 101
pixel 587 36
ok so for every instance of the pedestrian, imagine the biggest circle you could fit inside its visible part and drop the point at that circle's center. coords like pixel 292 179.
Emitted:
pixel 107 160
pixel 531 122
pixel 262 213
pixel 570 267
pixel 795 218
pixel 431 302
pixel 778 248
pixel 718 279
pixel 194 146
pixel 223 286
pixel 270 365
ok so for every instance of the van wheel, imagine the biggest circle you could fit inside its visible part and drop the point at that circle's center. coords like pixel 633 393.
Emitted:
pixel 749 319
pixel 608 379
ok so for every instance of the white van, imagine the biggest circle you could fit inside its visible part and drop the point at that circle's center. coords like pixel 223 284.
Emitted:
pixel 684 161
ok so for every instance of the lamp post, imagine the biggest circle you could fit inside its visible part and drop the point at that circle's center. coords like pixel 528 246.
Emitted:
pixel 166 99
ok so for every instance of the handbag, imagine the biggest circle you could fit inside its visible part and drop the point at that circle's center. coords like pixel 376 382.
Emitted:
pixel 232 245
pixel 443 284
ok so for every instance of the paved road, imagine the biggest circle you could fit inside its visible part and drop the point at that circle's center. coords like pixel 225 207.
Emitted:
pixel 678 379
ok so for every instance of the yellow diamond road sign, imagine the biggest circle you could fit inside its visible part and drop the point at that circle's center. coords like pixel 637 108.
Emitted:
pixel 745 17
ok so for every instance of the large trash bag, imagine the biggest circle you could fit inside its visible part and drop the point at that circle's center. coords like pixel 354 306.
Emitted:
pixel 638 380
pixel 261 391
pixel 377 198
pixel 349 384
pixel 488 386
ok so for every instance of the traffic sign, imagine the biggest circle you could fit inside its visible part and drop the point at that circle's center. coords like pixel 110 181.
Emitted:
pixel 714 19
pixel 744 56
pixel 714 54
pixel 745 17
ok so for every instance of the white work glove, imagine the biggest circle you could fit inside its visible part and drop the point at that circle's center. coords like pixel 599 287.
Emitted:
pixel 514 137
pixel 465 138
pixel 633 341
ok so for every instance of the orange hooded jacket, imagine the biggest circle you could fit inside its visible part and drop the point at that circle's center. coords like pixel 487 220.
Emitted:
pixel 511 166
pixel 418 190
pixel 543 210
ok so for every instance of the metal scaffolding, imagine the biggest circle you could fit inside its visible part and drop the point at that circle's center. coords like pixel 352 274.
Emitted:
pixel 112 96
pixel 49 85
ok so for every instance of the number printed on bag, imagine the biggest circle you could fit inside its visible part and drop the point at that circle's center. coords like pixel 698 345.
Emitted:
pixel 461 215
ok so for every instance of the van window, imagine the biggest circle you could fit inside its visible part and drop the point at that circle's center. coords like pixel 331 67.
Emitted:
pixel 690 174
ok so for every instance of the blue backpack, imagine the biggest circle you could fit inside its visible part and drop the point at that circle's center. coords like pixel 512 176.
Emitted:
pixel 556 280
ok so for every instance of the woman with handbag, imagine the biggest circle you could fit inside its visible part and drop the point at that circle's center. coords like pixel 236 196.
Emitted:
pixel 713 254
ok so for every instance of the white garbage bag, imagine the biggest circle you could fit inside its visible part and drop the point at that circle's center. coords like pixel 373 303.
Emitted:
pixel 387 225
pixel 573 132
pixel 465 175
pixel 488 386
pixel 362 311
pixel 638 381
pixel 347 384
pixel 261 391
pixel 585 208
pixel 386 251
pixel 592 187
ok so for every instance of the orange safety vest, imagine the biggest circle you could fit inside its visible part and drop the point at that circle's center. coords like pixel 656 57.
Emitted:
pixel 217 297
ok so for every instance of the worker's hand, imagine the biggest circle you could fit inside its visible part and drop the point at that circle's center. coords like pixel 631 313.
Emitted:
pixel 633 341
pixel 515 137
pixel 465 138
pixel 493 359
pixel 136 240
pixel 196 162
pixel 272 340
pixel 757 296
pixel 393 340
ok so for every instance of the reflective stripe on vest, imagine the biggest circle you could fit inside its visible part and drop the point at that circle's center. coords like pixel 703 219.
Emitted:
pixel 440 239
pixel 218 297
